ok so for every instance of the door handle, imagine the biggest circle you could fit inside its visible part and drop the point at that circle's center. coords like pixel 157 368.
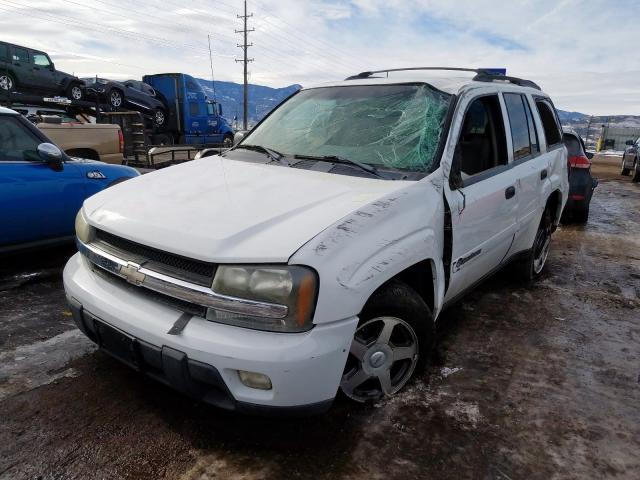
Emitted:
pixel 509 192
pixel 543 174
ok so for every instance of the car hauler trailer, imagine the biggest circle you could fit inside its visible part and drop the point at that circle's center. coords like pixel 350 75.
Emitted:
pixel 193 118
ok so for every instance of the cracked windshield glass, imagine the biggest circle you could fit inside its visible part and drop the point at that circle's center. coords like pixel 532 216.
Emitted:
pixel 388 126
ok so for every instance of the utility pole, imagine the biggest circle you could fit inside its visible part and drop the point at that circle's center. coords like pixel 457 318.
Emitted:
pixel 245 47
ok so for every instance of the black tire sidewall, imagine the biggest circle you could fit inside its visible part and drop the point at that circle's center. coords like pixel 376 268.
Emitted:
pixel 397 299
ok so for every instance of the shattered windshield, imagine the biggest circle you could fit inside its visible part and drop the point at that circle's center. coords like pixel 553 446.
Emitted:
pixel 388 126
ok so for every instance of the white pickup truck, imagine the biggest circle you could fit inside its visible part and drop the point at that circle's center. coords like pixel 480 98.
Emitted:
pixel 318 253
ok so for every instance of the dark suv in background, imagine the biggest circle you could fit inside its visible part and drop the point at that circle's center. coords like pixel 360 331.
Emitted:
pixel 24 70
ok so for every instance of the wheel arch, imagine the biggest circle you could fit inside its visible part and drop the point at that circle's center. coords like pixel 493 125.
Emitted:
pixel 554 204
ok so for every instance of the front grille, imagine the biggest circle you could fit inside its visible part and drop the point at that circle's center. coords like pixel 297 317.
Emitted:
pixel 175 303
pixel 177 266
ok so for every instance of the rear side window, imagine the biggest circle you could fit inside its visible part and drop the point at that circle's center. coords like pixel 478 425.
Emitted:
pixel 20 55
pixel 519 125
pixel 4 53
pixel 574 146
pixel 550 123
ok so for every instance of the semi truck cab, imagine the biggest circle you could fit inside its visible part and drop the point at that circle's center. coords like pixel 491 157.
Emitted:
pixel 193 118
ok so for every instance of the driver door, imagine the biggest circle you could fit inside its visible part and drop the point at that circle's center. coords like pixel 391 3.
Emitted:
pixel 481 195
pixel 38 202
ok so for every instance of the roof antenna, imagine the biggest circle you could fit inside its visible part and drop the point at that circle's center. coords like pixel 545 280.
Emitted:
pixel 213 82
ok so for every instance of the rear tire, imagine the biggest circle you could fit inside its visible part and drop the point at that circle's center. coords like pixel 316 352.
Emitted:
pixel 531 267
pixel 159 118
pixel 7 82
pixel 581 215
pixel 394 339
pixel 624 171
pixel 636 171
pixel 162 139
pixel 227 142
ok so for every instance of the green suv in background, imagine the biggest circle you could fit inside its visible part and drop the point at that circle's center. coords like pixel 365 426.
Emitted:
pixel 24 70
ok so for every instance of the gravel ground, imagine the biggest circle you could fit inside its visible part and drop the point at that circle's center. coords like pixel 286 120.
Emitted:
pixel 537 382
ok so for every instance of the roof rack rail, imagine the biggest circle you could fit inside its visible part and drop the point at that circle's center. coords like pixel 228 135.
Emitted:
pixel 482 75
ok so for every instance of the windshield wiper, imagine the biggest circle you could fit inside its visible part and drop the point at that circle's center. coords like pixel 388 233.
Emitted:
pixel 274 155
pixel 345 161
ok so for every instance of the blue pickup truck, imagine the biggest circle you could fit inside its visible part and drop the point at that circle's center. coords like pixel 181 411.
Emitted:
pixel 193 118
pixel 41 188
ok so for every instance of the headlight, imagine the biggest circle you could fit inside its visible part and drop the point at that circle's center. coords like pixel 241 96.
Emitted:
pixel 84 231
pixel 292 286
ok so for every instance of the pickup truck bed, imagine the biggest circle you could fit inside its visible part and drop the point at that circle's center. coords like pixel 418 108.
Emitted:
pixel 86 140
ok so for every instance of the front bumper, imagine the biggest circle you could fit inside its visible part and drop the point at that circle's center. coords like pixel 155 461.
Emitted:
pixel 204 359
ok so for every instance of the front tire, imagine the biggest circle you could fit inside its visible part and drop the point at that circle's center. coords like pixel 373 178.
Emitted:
pixel 159 118
pixel 531 267
pixel 116 98
pixel 394 339
pixel 75 92
pixel 227 142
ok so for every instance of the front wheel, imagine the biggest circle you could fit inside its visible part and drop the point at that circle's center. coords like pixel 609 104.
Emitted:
pixel 116 98
pixel 159 118
pixel 532 265
pixel 75 92
pixel 394 338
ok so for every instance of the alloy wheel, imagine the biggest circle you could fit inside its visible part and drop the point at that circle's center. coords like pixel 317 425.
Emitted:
pixel 382 358
pixel 116 99
pixel 159 117
pixel 6 83
pixel 76 93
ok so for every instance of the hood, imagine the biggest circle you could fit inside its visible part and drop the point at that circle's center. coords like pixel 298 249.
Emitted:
pixel 223 211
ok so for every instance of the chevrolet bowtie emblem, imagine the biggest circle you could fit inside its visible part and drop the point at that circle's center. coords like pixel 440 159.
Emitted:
pixel 131 271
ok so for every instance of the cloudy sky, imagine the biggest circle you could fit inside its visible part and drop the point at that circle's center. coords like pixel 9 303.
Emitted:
pixel 583 53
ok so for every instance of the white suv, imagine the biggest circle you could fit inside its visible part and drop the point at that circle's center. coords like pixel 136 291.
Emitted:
pixel 318 253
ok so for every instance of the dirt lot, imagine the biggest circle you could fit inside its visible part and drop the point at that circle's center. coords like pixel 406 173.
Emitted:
pixel 536 382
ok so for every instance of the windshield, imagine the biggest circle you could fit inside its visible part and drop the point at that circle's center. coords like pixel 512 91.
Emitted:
pixel 389 126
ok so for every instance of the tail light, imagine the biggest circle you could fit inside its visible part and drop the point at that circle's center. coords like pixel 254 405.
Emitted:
pixel 121 140
pixel 579 161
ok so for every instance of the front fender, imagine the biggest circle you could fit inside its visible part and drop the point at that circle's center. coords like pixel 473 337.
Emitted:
pixel 368 247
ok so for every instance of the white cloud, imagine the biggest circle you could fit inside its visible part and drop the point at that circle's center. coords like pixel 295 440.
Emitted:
pixel 581 52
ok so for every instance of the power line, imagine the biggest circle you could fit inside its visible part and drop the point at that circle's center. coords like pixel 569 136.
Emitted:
pixel 245 47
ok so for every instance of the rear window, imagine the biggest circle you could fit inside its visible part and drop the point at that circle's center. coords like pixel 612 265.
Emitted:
pixel 574 146
pixel 550 123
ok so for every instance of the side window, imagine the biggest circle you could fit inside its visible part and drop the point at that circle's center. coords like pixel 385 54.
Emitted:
pixel 17 143
pixel 519 125
pixel 4 52
pixel 482 142
pixel 20 55
pixel 549 121
pixel 41 59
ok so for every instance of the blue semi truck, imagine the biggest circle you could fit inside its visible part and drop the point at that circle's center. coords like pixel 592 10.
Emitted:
pixel 193 118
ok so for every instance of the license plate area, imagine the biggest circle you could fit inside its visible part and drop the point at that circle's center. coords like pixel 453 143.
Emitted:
pixel 118 344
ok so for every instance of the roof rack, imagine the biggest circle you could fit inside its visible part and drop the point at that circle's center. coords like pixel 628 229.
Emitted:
pixel 482 75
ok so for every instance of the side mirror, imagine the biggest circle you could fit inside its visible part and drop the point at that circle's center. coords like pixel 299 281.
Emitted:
pixel 220 110
pixel 238 137
pixel 52 67
pixel 50 154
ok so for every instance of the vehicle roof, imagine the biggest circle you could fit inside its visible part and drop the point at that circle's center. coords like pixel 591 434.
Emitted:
pixel 8 111
pixel 448 83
